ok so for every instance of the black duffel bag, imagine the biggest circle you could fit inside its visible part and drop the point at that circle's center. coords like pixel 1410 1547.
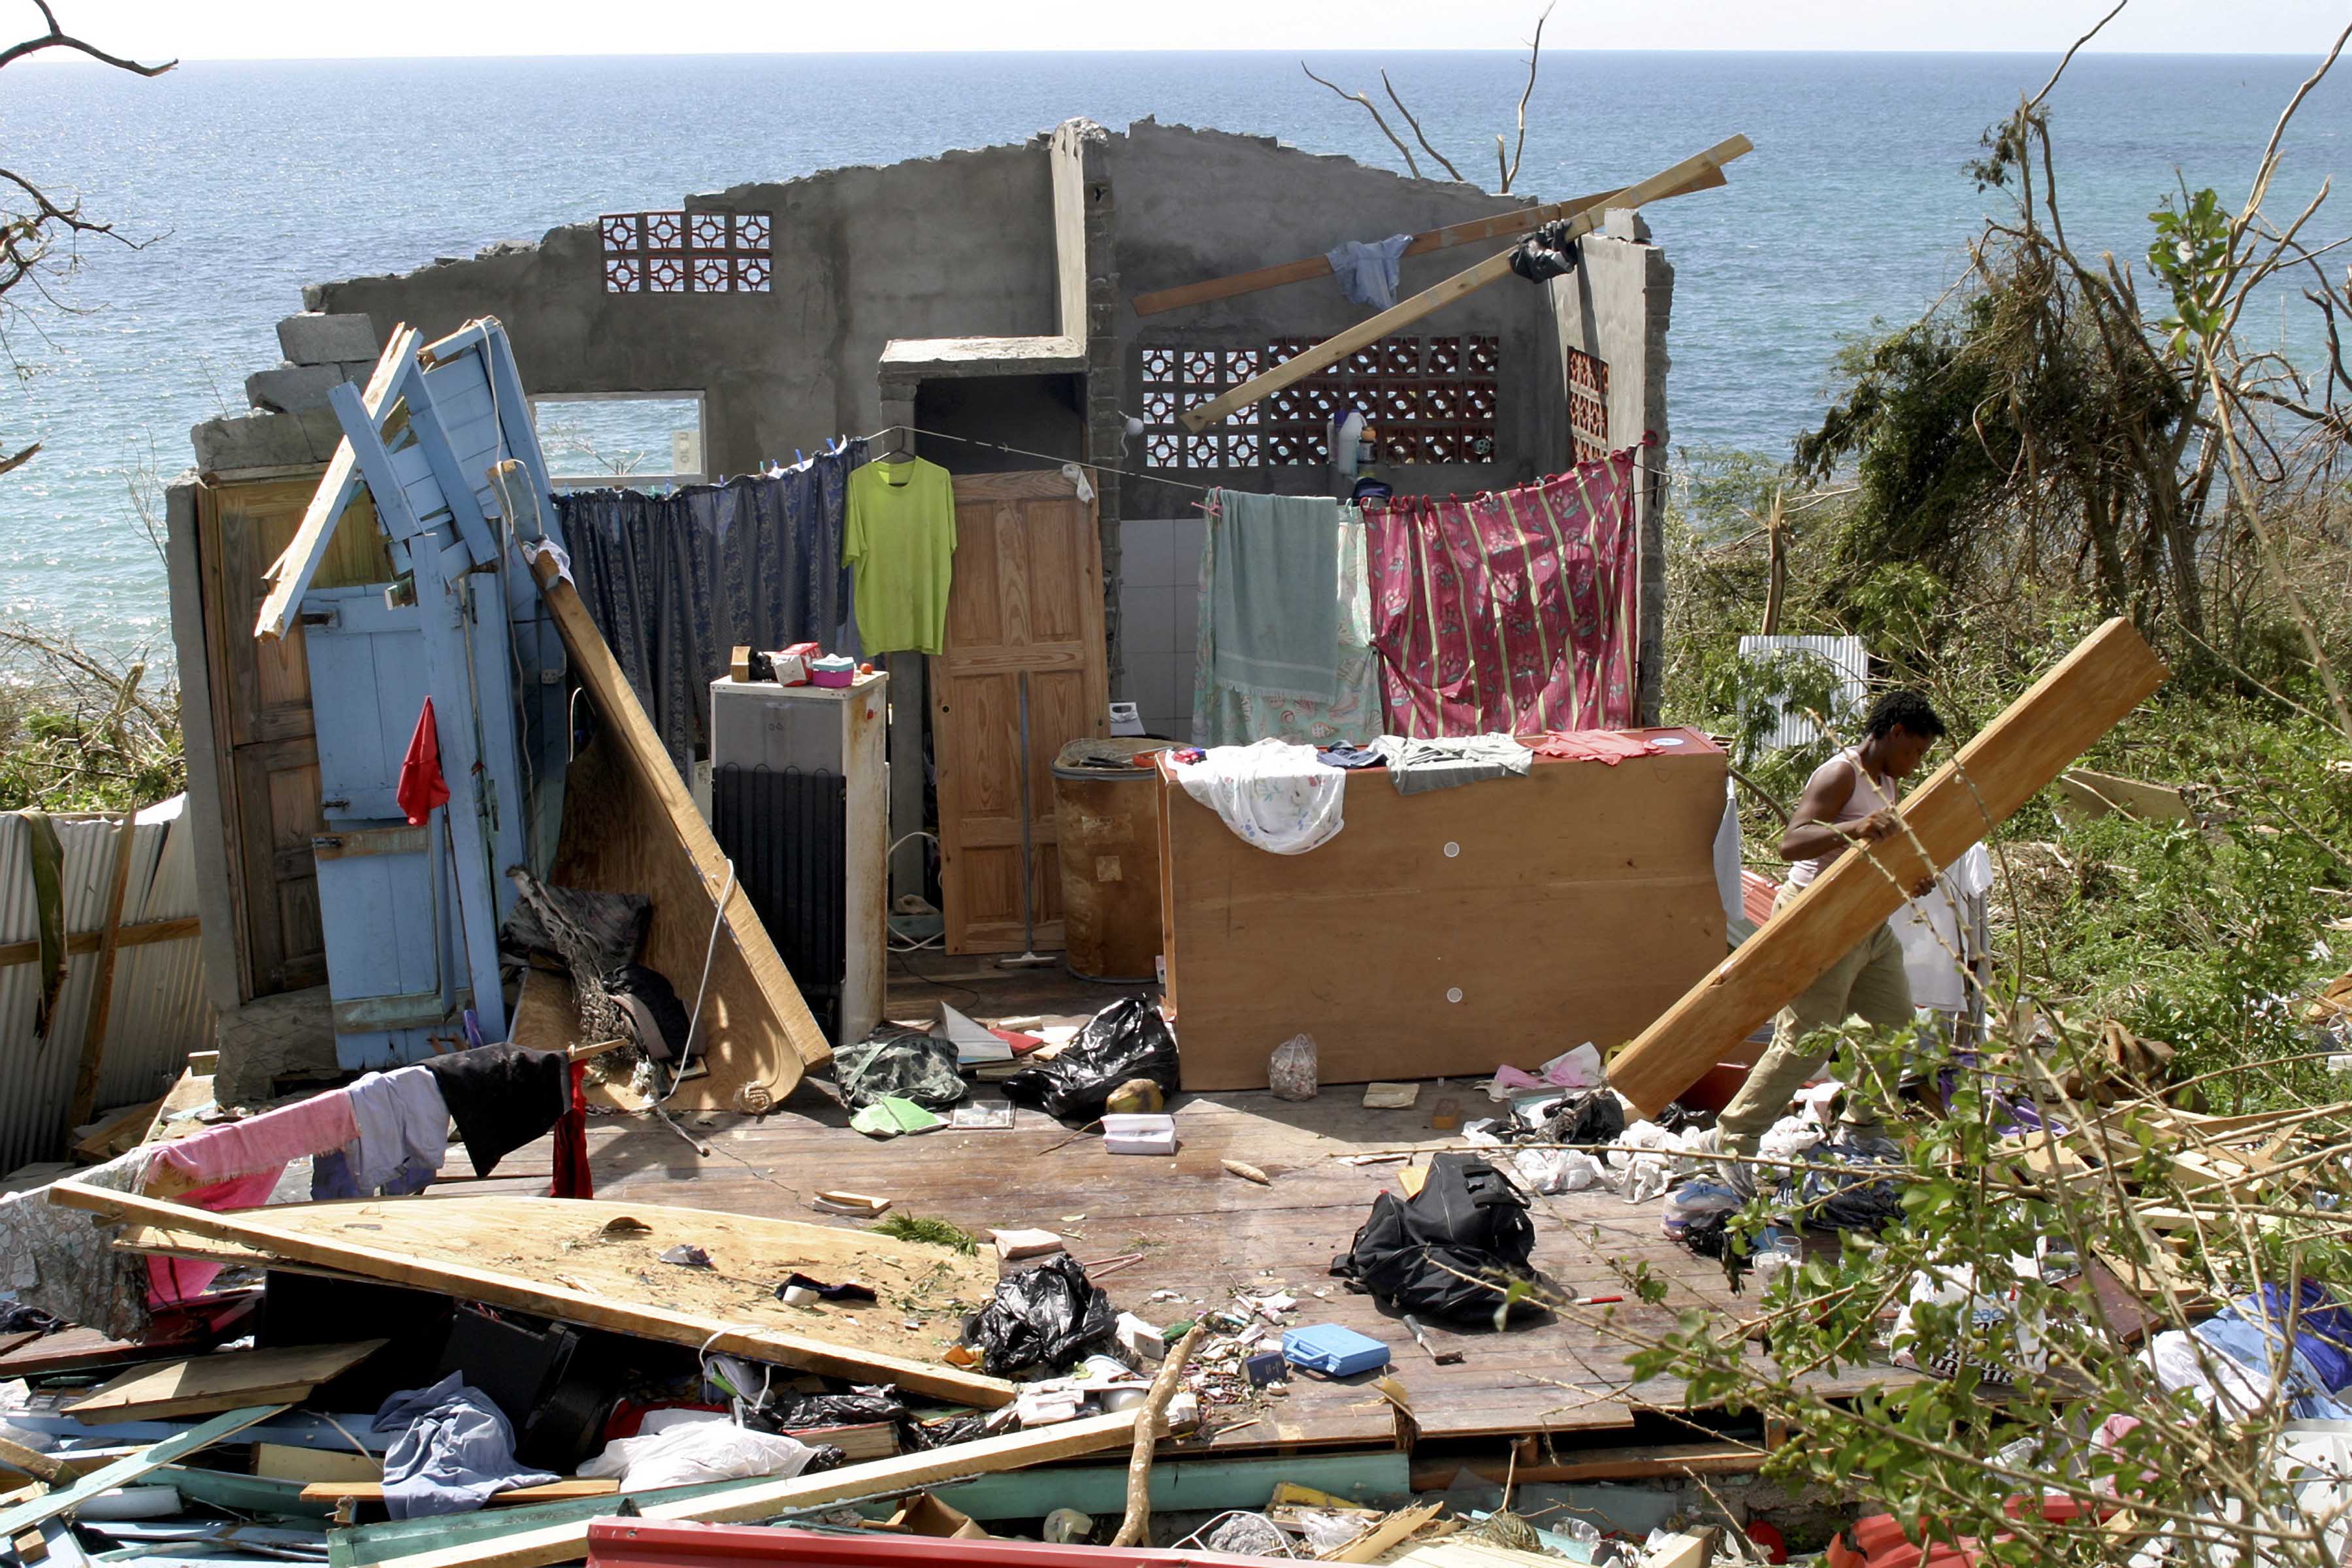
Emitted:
pixel 1443 1252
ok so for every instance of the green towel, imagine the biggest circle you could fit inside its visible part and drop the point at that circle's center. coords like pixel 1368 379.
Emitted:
pixel 1276 617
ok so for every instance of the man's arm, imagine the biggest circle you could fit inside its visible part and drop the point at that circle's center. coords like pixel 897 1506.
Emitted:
pixel 1810 835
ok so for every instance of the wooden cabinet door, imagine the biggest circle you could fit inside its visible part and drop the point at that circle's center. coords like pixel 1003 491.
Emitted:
pixel 1027 603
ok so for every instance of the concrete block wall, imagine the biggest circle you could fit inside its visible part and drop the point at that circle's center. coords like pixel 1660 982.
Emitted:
pixel 1160 605
pixel 321 353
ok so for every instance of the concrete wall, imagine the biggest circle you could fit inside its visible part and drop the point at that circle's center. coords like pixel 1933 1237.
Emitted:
pixel 1616 306
pixel 938 247
pixel 1196 204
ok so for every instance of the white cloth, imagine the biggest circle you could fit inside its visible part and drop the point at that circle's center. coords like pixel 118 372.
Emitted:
pixel 404 1123
pixel 691 1452
pixel 1272 794
pixel 1937 932
pixel 1728 886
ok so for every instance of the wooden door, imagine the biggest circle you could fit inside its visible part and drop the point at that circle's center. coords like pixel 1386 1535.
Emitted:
pixel 269 771
pixel 1027 601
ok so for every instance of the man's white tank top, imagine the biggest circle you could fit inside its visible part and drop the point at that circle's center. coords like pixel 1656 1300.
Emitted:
pixel 1871 793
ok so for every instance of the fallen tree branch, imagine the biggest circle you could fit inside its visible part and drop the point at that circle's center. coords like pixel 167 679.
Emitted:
pixel 1137 1526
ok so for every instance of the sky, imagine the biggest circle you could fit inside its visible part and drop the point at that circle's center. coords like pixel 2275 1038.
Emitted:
pixel 299 29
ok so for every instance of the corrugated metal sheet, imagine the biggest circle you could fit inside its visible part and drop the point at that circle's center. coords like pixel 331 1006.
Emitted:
pixel 159 1014
pixel 1846 654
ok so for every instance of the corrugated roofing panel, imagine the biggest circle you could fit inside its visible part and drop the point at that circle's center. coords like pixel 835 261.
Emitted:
pixel 1846 654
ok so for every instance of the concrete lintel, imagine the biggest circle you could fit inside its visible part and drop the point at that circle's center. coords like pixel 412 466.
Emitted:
pixel 907 361
pixel 315 337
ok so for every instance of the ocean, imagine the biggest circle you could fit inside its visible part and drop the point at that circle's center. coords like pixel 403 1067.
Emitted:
pixel 243 181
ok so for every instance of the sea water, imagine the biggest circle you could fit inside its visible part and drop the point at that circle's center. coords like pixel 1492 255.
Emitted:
pixel 241 182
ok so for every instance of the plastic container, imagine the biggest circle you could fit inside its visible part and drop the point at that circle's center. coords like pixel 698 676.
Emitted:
pixel 1327 1348
pixel 834 669
pixel 1290 1070
pixel 1125 1133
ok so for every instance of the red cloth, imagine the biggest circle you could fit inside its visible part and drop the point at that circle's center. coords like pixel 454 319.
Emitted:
pixel 572 1179
pixel 1510 612
pixel 422 787
pixel 1610 746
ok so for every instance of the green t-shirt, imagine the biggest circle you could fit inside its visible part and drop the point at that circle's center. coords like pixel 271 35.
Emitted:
pixel 901 538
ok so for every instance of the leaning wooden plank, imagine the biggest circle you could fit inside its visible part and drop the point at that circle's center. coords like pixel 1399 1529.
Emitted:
pixel 630 826
pixel 123 1472
pixel 597 1263
pixel 1332 349
pixel 908 1472
pixel 1502 226
pixel 552 1492
pixel 2088 694
pixel 289 575
pixel 228 1380
pixel 100 1007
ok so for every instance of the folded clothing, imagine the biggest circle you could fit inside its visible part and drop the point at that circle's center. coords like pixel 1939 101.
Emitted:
pixel 502 1097
pixel 403 1133
pixel 1415 765
pixel 1610 746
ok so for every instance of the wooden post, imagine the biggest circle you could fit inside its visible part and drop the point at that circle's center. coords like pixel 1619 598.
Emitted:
pixel 2088 692
pixel 101 992
pixel 1334 349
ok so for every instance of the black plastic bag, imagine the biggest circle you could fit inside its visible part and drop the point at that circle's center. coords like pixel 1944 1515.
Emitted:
pixel 1441 1253
pixel 1126 1040
pixel 947 1434
pixel 1041 1320
pixel 1546 254
pixel 1587 1115
pixel 793 1411
pixel 904 1062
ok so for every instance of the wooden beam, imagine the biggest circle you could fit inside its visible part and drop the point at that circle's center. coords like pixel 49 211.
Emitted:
pixel 84 1103
pixel 886 1477
pixel 1502 226
pixel 630 826
pixel 225 1380
pixel 123 1472
pixel 289 575
pixel 551 1299
pixel 2084 696
pixel 83 941
pixel 1332 349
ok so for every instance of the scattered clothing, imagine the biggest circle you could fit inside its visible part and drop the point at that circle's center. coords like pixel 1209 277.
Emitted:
pixel 1275 619
pixel 1510 612
pixel 1607 746
pixel 403 1133
pixel 1229 715
pixel 55 1258
pixel 910 1063
pixel 1367 270
pixel 572 1177
pixel 2322 1328
pixel 901 539
pixel 1347 756
pixel 1417 767
pixel 675 582
pixel 1273 793
pixel 1841 1187
pixel 700 1446
pixel 455 1451
pixel 421 785
pixel 502 1097
pixel 265 1144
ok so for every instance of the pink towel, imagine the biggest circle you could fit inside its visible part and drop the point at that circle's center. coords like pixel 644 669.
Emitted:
pixel 268 1142
pixel 1610 746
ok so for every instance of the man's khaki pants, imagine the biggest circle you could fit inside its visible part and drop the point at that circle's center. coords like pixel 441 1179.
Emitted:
pixel 1871 982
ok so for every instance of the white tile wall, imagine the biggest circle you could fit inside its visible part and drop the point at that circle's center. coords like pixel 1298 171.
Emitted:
pixel 1160 608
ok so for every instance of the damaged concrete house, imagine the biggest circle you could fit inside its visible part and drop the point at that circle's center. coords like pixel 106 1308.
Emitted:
pixel 1100 707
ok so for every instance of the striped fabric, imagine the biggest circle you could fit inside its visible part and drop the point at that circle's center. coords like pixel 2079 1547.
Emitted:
pixel 1510 612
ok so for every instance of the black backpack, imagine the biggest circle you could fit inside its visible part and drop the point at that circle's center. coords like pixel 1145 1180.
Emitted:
pixel 1466 1220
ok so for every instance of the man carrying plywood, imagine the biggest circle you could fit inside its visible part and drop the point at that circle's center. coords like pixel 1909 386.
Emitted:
pixel 1849 802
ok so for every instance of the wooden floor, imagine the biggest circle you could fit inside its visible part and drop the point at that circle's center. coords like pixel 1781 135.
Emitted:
pixel 1203 1233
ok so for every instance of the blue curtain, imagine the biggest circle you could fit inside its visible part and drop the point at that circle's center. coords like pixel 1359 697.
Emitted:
pixel 676 582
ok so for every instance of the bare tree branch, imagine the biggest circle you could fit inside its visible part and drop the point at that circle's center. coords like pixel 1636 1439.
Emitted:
pixel 58 38
pixel 19 459
pixel 2068 59
pixel 2269 164
pixel 1417 135
pixel 1535 55
pixel 1372 109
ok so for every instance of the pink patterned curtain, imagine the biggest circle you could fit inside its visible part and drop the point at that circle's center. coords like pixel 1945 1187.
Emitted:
pixel 1508 612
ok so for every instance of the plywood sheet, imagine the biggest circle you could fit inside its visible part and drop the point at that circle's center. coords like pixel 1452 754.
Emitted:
pixel 629 826
pixel 1447 933
pixel 229 1380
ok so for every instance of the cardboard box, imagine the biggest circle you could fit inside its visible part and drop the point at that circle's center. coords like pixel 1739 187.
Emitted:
pixel 923 1514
